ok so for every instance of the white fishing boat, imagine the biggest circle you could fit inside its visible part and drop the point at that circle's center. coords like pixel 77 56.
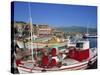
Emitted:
pixel 75 58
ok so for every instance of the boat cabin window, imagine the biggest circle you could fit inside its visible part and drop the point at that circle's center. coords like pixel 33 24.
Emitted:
pixel 79 45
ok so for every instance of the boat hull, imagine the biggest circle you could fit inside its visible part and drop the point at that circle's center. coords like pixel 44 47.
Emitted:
pixel 79 66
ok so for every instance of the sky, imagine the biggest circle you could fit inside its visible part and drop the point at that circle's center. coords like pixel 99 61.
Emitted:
pixel 56 15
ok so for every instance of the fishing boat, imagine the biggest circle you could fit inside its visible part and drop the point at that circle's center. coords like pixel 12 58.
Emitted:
pixel 72 58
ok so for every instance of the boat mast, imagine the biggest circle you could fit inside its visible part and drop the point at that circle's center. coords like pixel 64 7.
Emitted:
pixel 87 31
pixel 31 27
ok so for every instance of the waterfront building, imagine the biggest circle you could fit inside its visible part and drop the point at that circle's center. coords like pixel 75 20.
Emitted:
pixel 44 30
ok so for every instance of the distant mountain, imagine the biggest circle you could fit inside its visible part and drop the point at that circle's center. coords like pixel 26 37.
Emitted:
pixel 20 22
pixel 76 29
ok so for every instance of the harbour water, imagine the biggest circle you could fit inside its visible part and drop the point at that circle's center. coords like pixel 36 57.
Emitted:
pixel 93 43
